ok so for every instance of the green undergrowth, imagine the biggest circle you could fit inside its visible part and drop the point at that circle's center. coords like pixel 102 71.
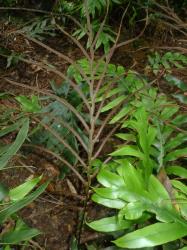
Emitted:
pixel 63 12
pixel 12 200
pixel 165 65
pixel 144 182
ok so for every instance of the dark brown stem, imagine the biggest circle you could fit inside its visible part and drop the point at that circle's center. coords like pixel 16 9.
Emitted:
pixel 138 36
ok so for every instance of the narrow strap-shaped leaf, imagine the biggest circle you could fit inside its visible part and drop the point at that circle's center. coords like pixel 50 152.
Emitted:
pixel 176 154
pixel 180 186
pixel 176 82
pixel 126 137
pixel 15 206
pixel 109 94
pixel 154 235
pixel 116 203
pixel 11 128
pixel 15 146
pixel 181 97
pixel 22 190
pixel 180 120
pixel 128 150
pixel 3 191
pixel 109 224
pixel 113 103
pixel 123 112
pixel 168 112
pixel 175 142
pixel 177 170
pixel 18 236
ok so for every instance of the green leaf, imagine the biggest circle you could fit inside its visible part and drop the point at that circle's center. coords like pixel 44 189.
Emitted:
pixel 141 126
pixel 165 64
pixel 168 112
pixel 178 65
pixel 10 128
pixel 123 112
pixel 158 192
pixel 175 142
pixel 162 213
pixel 16 206
pixel 134 210
pixel 116 203
pixel 176 82
pixel 3 192
pixel 128 150
pixel 7 247
pixel 177 170
pixel 29 105
pixel 132 178
pixel 180 120
pixel 181 98
pixel 15 146
pixel 109 179
pixel 180 186
pixel 74 243
pixel 96 164
pixel 22 190
pixel 122 193
pixel 151 135
pixel 4 95
pixel 153 235
pixel 176 154
pixel 181 202
pixel 184 248
pixel 108 193
pixel 126 137
pixel 19 236
pixel 113 103
pixel 110 224
pixel 110 93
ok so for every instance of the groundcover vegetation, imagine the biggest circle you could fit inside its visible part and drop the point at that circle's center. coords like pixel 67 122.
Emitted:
pixel 93 104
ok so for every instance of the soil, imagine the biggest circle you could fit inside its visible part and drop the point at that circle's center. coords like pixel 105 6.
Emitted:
pixel 57 212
